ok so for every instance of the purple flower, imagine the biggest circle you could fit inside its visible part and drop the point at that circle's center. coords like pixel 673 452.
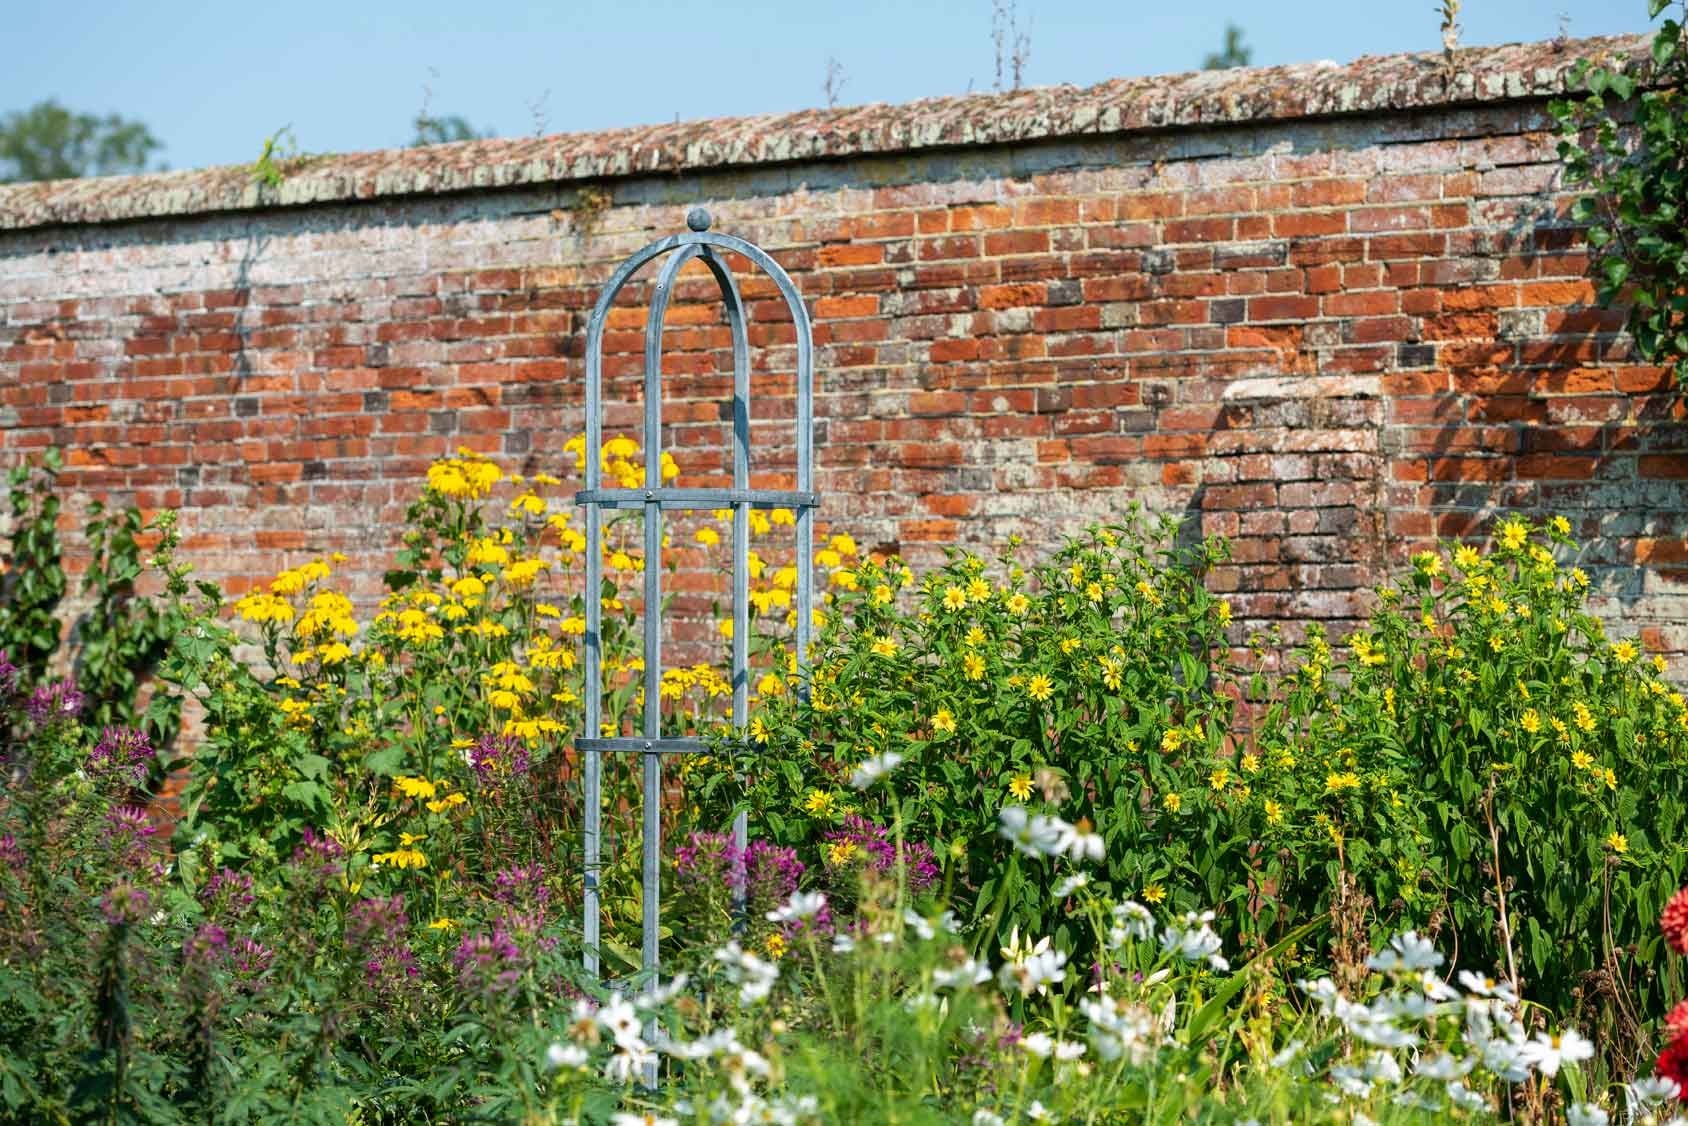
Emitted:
pixel 128 833
pixel 8 676
pixel 709 860
pixel 11 853
pixel 770 876
pixel 122 755
pixel 205 945
pixel 53 702
pixel 228 893
pixel 316 859
pixel 489 965
pixel 874 842
pixel 124 904
pixel 498 759
pixel 251 960
pixel 375 930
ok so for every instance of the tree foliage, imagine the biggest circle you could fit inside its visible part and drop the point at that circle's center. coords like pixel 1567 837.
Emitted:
pixel 1625 140
pixel 1232 53
pixel 49 142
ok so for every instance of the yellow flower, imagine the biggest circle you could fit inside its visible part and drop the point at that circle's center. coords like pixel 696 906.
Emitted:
pixel 708 537
pixel 1582 760
pixel 1111 670
pixel 955 598
pixel 402 858
pixel 978 590
pixel 408 839
pixel 1224 612
pixel 774 944
pixel 1020 786
pixel 1093 592
pixel 468 587
pixel 1219 778
pixel 1018 604
pixel 442 924
pixel 1624 652
pixel 843 544
pixel 1337 782
pixel 262 608
pixel 1466 558
pixel 1513 534
pixel 974 666
pixel 1274 813
pixel 1153 893
pixel 1069 644
pixel 1583 718
pixel 1561 525
pixel 440 805
pixel 1530 721
pixel 770 685
pixel 414 787
pixel 1428 563
pixel 1579 576
pixel 1172 802
pixel 884 646
pixel 1172 740
pixel 943 722
pixel 1617 842
pixel 1039 687
pixel 819 803
pixel 527 505
pixel 840 852
pixel 1249 763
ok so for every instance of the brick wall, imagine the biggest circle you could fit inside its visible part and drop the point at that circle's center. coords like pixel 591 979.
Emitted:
pixel 1329 312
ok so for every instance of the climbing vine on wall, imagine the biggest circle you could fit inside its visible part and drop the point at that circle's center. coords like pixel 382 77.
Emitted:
pixel 1624 139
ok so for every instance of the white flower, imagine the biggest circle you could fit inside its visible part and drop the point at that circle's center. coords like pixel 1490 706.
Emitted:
pixel 1654 1090
pixel 1548 1052
pixel 1037 971
pixel 1465 1098
pixel 625 1119
pixel 1508 1061
pixel 1286 1055
pixel 1382 1067
pixel 1351 1081
pixel 660 995
pixel 874 769
pixel 621 1021
pixel 843 944
pixel 1194 941
pixel 565 1055
pixel 921 927
pixel 1134 920
pixel 1436 989
pixel 1406 953
pixel 968 973
pixel 1039 1044
pixel 982 1117
pixel 801 905
pixel 1586 1114
pixel 1069 884
pixel 1037 1112
pixel 1487 987
pixel 1038 835
pixel 1444 1067
pixel 754 976
pixel 1068 1050
pixel 623 1065
pixel 1078 842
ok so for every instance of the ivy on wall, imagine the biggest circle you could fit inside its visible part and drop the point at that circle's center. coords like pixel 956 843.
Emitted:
pixel 1624 139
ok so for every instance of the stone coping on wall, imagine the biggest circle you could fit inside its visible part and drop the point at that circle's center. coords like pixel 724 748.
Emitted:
pixel 1370 85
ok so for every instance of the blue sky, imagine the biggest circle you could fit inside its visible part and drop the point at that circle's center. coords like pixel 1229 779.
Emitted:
pixel 213 79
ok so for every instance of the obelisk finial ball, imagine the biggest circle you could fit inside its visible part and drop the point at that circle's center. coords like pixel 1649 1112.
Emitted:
pixel 697 219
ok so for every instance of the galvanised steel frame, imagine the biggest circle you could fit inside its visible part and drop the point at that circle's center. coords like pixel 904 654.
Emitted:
pixel 655 498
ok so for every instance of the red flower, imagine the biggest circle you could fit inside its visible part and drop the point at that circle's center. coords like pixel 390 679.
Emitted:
pixel 1676 1023
pixel 1674 922
pixel 1673 1062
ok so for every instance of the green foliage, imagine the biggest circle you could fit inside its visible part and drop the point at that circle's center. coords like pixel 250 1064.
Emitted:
pixel 49 142
pixel 1625 139
pixel 1102 673
pixel 1233 52
pixel 445 130
pixel 123 637
pixel 279 158
pixel 33 581
pixel 116 646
